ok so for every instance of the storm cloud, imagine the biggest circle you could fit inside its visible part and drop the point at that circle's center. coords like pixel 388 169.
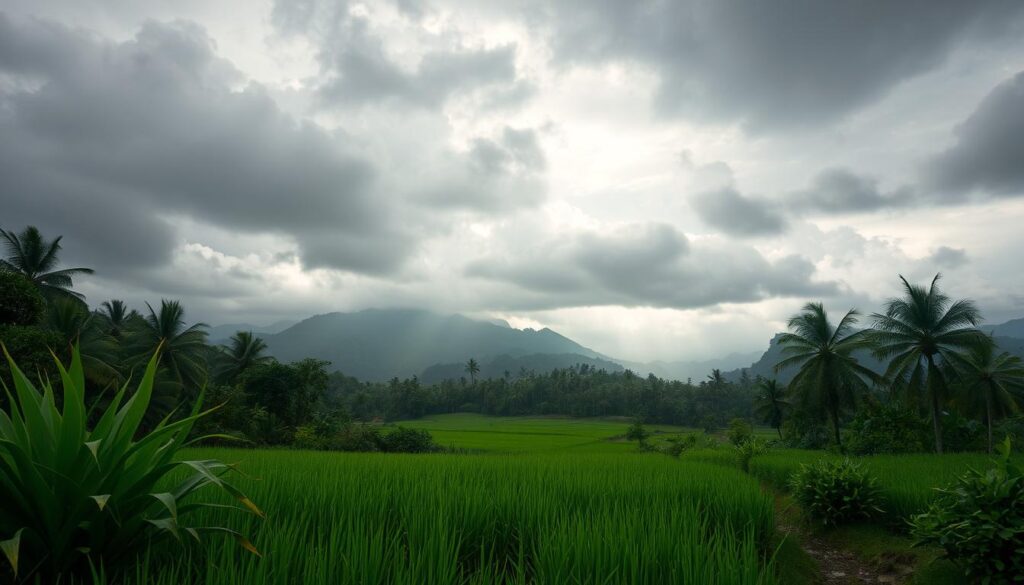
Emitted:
pixel 775 65
pixel 988 156
pixel 651 265
pixel 157 126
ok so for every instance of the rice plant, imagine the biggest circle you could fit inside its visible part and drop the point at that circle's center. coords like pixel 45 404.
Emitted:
pixel 474 519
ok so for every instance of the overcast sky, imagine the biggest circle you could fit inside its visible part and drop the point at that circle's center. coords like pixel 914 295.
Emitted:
pixel 657 180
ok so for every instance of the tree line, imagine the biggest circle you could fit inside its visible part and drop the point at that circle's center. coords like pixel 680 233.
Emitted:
pixel 938 362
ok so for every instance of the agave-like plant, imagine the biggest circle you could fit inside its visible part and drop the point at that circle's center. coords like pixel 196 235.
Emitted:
pixel 76 498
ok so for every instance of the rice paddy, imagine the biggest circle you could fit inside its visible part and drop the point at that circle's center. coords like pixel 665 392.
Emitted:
pixel 522 501
pixel 539 518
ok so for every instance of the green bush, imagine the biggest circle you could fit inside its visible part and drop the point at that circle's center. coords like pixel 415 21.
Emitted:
pixel 835 492
pixel 739 432
pixel 748 450
pixel 885 429
pixel 979 522
pixel 406 440
pixel 20 301
pixel 75 498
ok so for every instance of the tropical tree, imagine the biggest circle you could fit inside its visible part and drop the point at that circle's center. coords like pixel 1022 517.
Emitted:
pixel 918 333
pixel 75 326
pixel 989 383
pixel 830 378
pixel 28 253
pixel 182 349
pixel 716 379
pixel 116 317
pixel 472 368
pixel 243 351
pixel 771 403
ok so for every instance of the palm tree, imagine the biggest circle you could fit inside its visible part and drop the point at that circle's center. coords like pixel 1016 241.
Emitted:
pixel 830 378
pixel 31 255
pixel 771 403
pixel 182 349
pixel 116 317
pixel 472 368
pixel 244 351
pixel 75 325
pixel 918 333
pixel 990 383
pixel 715 379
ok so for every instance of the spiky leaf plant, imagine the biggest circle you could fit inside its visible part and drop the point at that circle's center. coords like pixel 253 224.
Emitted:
pixel 75 497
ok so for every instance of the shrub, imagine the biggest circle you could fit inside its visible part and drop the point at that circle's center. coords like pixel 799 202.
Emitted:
pixel 20 301
pixel 979 522
pixel 835 492
pixel 676 445
pixel 748 450
pixel 879 429
pixel 406 440
pixel 74 498
pixel 962 434
pixel 356 437
pixel 739 432
pixel 637 432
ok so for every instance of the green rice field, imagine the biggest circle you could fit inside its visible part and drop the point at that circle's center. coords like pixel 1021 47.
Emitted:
pixel 493 434
pixel 493 518
pixel 522 501
pixel 908 482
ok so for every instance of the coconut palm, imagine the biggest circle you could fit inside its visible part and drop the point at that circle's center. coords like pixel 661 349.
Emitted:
pixel 182 349
pixel 244 351
pixel 116 317
pixel 771 404
pixel 30 254
pixel 76 326
pixel 989 383
pixel 829 379
pixel 472 368
pixel 715 379
pixel 918 333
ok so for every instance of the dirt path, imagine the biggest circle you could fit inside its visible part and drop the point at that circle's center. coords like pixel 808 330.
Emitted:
pixel 835 565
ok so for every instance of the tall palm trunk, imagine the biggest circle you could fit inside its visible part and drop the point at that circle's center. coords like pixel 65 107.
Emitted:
pixel 988 418
pixel 833 411
pixel 933 389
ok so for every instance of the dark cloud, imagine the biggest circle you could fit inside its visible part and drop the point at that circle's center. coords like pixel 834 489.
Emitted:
pixel 736 214
pixel 838 190
pixel 946 257
pixel 643 265
pixel 774 64
pixel 356 69
pixel 107 141
pixel 988 155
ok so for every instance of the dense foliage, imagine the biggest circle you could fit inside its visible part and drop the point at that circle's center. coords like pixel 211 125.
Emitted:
pixel 76 497
pixel 979 522
pixel 836 492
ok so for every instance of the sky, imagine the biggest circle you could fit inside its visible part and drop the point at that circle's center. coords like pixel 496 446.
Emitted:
pixel 656 180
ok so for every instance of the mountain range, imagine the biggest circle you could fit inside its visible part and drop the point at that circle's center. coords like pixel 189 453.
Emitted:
pixel 379 344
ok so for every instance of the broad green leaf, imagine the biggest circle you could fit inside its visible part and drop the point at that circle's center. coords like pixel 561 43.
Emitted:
pixel 10 548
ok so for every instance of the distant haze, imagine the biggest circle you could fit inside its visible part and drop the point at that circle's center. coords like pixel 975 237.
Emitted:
pixel 653 180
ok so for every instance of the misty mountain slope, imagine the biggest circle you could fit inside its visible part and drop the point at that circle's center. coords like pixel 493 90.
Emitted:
pixel 220 334
pixel 379 344
pixel 1013 328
